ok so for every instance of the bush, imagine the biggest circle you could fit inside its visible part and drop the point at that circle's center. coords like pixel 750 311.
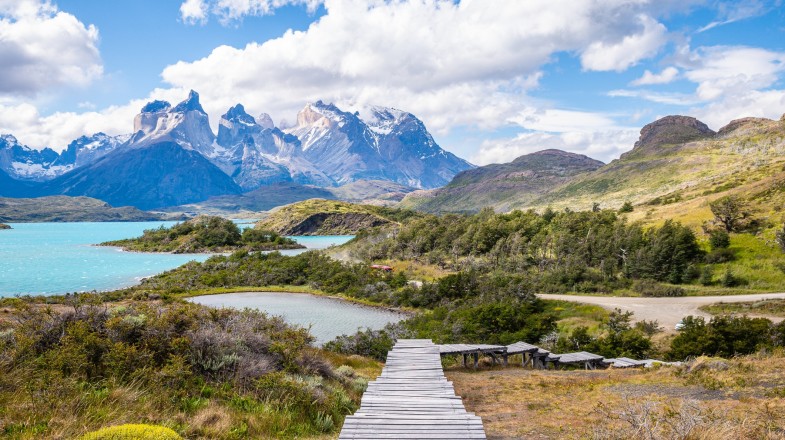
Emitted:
pixel 719 239
pixel 723 336
pixel 731 280
pixel 650 288
pixel 132 432
pixel 707 276
pixel 626 207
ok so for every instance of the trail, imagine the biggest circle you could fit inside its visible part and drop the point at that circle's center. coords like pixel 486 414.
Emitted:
pixel 667 311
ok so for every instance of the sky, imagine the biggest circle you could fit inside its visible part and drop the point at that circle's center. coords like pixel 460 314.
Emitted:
pixel 491 79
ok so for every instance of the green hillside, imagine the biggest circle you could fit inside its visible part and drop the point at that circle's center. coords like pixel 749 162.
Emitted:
pixel 329 217
pixel 205 234
pixel 503 186
pixel 676 168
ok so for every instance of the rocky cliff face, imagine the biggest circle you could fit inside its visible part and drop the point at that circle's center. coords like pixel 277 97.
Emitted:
pixel 389 145
pixel 670 130
pixel 186 124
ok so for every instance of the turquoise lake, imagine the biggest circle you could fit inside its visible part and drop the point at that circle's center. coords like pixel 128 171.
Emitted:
pixel 54 258
pixel 325 317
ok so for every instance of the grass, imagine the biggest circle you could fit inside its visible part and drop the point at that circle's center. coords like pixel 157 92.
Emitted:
pixel 738 398
pixel 767 307
pixel 571 315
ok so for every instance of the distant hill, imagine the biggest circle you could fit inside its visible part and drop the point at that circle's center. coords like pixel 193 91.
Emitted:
pixel 674 170
pixel 678 166
pixel 68 209
pixel 504 186
pixel 329 217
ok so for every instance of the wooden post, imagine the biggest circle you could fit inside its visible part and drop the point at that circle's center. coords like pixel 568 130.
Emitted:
pixel 476 359
pixel 464 360
pixel 505 359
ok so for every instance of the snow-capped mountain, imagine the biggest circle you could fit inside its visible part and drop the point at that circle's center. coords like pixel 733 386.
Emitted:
pixel 24 163
pixel 87 149
pixel 390 145
pixel 328 147
pixel 186 124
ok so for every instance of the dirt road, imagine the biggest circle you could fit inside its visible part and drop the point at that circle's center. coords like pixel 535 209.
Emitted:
pixel 668 311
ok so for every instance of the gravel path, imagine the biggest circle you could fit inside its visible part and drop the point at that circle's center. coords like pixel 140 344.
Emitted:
pixel 667 311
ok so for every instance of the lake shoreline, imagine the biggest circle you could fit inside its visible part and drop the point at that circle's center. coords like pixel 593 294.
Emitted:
pixel 305 291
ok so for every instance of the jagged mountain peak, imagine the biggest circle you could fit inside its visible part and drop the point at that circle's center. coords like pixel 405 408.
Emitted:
pixel 265 121
pixel 190 104
pixel 238 114
pixel 156 107
pixel 9 139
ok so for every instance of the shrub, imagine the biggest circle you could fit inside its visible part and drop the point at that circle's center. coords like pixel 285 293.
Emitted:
pixel 719 239
pixel 132 432
pixel 731 280
pixel 650 288
pixel 707 276
pixel 723 336
pixel 626 207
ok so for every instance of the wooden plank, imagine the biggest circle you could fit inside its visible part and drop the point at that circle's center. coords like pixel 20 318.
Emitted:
pixel 412 399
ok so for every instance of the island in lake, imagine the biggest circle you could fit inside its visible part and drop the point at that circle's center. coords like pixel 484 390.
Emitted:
pixel 4 226
pixel 205 234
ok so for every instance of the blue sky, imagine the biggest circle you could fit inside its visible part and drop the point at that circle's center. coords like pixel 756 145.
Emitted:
pixel 492 79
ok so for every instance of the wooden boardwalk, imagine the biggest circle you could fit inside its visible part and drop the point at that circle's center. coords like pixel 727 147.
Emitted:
pixel 412 399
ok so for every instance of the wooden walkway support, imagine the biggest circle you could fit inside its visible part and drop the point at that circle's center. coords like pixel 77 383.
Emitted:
pixel 412 399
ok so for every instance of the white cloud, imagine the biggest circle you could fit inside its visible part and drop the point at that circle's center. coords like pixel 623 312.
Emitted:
pixel 602 145
pixel 623 53
pixel 451 63
pixel 44 49
pixel 737 10
pixel 763 104
pixel 732 70
pixel 666 76
pixel 57 130
pixel 194 11
pixel 670 98
pixel 227 11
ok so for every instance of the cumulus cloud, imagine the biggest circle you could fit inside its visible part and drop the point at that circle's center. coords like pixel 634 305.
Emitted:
pixel 451 63
pixel 666 76
pixel 44 49
pixel 627 51
pixel 603 145
pixel 733 70
pixel 57 130
pixel 227 11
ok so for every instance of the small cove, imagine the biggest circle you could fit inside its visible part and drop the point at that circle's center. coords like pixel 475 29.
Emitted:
pixel 327 317
pixel 57 258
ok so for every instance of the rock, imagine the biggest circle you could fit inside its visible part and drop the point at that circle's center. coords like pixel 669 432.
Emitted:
pixel 672 130
pixel 737 124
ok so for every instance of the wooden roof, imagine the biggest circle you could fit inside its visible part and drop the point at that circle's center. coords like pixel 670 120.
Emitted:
pixel 580 356
pixel 522 347
pixel 470 348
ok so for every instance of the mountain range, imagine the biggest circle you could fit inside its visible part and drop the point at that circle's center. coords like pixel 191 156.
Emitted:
pixel 174 158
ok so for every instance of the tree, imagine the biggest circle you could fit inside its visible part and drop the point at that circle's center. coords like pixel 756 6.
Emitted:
pixel 730 213
pixel 626 207
pixel 779 237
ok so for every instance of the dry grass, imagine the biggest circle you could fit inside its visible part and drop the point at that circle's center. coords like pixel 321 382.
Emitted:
pixel 742 398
